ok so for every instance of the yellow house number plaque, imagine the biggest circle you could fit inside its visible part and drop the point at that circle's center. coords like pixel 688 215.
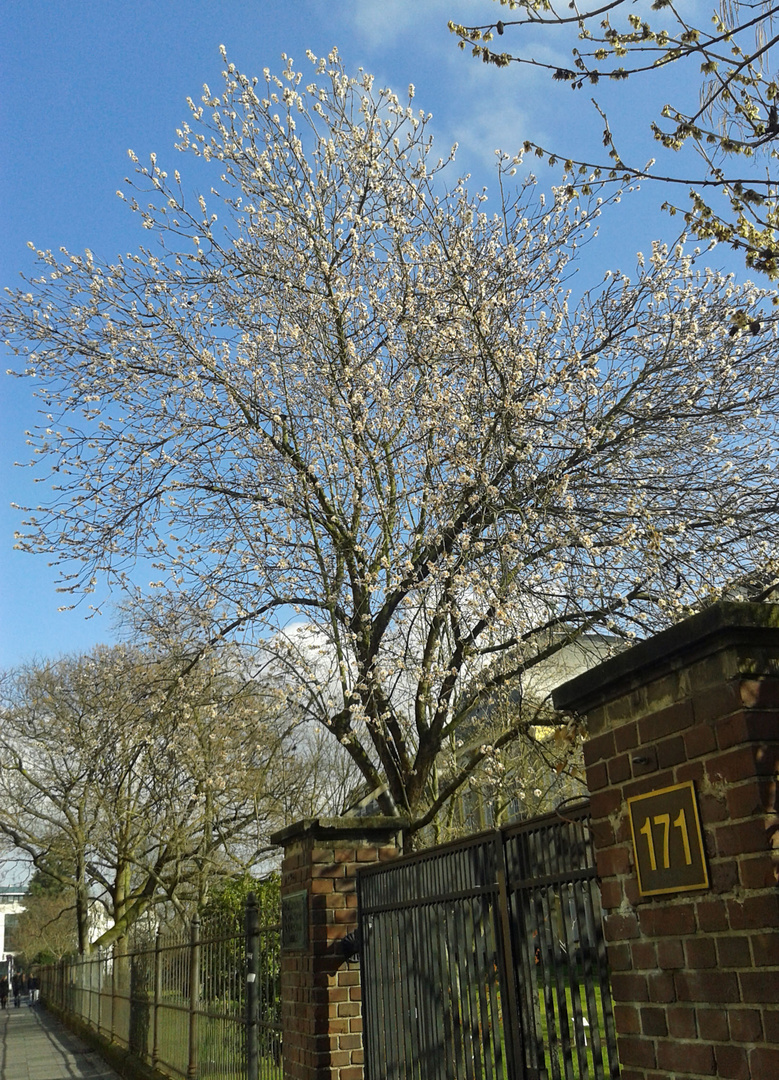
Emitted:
pixel 667 841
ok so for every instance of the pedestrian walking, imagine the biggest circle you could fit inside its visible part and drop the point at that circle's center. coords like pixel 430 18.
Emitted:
pixel 4 992
pixel 17 985
pixel 32 986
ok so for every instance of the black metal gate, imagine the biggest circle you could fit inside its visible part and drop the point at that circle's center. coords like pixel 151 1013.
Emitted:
pixel 484 959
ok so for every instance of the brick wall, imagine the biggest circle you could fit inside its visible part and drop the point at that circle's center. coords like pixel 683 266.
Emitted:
pixel 695 975
pixel 320 988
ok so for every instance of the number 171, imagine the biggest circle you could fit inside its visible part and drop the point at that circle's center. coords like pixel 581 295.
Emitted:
pixel 664 821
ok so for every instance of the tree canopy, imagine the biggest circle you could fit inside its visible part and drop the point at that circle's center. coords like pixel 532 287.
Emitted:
pixel 128 785
pixel 730 118
pixel 373 422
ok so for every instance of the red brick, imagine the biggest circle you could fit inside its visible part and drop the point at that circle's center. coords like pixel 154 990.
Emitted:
pixel 765 949
pixel 681 1022
pixel 627 1020
pixel 698 741
pixel 746 800
pixel 745 1025
pixel 610 894
pixel 322 855
pixel 661 987
pixel 676 919
pixel 671 752
pixel 701 953
pixel 759 987
pixel 715 701
pixel 742 837
pixel 619 956
pixel 707 986
pixel 649 783
pixel 693 770
pixel 603 803
pixel 733 951
pixel 712 809
pixel 670 954
pixel 763 693
pixel 770 1018
pixel 732 731
pixel 667 721
pixel 653 1021
pixel 619 769
pixel 732 1063
pixel 602 833
pixel 620 927
pixel 628 986
pixel 330 870
pixel 724 876
pixel 712 915
pixel 644 954
pixel 321 886
pixel 636 1051
pixel 764 1063
pixel 757 872
pixel 754 912
pixel 686 1057
pixel 612 862
pixel 600 748
pixel 740 764
pixel 713 1024
pixel 626 737
pixel 597 776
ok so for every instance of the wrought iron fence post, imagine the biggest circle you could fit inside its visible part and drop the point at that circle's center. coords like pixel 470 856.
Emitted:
pixel 507 974
pixel 252 994
pixel 155 1045
pixel 113 990
pixel 99 985
pixel 194 998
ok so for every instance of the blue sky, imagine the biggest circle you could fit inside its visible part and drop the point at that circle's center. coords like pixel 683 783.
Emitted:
pixel 81 81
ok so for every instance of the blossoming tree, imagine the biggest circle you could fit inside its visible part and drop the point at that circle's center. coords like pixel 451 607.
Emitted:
pixel 368 402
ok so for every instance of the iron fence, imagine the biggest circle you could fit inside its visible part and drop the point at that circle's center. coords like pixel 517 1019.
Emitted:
pixel 484 959
pixel 204 1002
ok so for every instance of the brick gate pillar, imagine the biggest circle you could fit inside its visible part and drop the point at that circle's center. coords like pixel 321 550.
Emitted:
pixel 694 969
pixel 320 989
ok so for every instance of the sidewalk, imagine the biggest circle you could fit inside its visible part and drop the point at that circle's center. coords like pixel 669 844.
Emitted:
pixel 35 1046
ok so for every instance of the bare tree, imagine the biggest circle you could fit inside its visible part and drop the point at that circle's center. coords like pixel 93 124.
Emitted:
pixel 129 787
pixel 46 930
pixel 731 119
pixel 373 418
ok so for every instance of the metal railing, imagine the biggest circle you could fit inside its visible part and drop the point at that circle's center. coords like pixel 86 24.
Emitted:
pixel 484 959
pixel 204 1002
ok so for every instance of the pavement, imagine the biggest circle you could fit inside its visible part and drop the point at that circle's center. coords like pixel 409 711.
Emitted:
pixel 35 1046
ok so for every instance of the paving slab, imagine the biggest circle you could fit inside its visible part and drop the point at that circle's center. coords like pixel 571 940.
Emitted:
pixel 35 1046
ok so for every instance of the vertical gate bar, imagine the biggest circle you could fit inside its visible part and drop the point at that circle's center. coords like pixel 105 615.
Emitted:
pixel 252 932
pixel 431 932
pixel 408 1046
pixel 555 848
pixel 155 1044
pixel 516 1058
pixel 583 900
pixel 371 975
pixel 552 849
pixel 194 998
pixel 526 941
pixel 99 985
pixel 113 991
pixel 576 1016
